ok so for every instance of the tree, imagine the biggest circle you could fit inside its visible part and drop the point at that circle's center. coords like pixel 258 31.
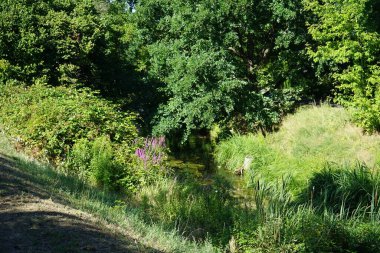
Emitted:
pixel 241 64
pixel 346 49
pixel 67 42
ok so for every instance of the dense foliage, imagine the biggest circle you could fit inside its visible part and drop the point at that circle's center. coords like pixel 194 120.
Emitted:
pixel 65 42
pixel 190 65
pixel 51 120
pixel 347 53
pixel 74 129
pixel 242 64
pixel 179 67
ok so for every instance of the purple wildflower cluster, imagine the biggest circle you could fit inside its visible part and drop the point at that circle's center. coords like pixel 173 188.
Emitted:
pixel 153 151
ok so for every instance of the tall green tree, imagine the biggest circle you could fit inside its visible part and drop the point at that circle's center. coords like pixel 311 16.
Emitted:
pixel 346 49
pixel 66 42
pixel 241 64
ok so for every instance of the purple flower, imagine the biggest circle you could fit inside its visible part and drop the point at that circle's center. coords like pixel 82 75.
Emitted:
pixel 141 154
pixel 161 141
pixel 152 151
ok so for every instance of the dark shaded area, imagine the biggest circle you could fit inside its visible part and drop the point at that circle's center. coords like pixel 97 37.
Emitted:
pixel 28 224
pixel 373 12
pixel 54 232
pixel 342 188
pixel 14 182
pixel 198 149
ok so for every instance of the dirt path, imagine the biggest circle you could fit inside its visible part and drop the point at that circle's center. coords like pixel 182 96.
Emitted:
pixel 30 221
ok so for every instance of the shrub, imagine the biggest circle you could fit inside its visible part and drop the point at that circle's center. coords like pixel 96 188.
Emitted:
pixel 50 120
pixel 346 53
pixel 7 71
pixel 105 164
pixel 74 129
pixel 101 164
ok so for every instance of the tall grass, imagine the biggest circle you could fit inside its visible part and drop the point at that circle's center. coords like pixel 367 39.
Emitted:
pixel 272 221
pixel 344 189
pixel 347 223
pixel 197 211
pixel 307 140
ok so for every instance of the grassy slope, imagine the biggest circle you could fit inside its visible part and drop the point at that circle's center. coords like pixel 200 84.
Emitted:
pixel 305 142
pixel 101 204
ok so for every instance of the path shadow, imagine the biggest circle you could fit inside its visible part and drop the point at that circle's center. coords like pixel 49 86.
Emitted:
pixel 15 182
pixel 30 225
pixel 41 231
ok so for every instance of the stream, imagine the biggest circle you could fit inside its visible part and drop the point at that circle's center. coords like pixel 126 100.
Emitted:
pixel 195 157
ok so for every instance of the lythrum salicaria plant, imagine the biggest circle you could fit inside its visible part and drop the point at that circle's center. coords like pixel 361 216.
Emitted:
pixel 152 152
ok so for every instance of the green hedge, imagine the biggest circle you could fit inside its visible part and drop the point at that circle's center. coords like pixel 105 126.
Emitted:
pixel 74 129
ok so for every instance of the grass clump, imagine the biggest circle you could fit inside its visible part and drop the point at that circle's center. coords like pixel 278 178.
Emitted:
pixel 197 211
pixel 344 189
pixel 306 141
pixel 279 224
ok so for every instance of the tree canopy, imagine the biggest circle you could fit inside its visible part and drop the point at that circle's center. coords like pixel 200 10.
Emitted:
pixel 65 42
pixel 190 65
pixel 225 61
pixel 346 49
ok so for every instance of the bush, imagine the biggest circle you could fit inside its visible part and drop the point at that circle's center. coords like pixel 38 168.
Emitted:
pixel 73 128
pixel 50 120
pixel 346 52
pixel 7 71
pixel 366 112
pixel 101 163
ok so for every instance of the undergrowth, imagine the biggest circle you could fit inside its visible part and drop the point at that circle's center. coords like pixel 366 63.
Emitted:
pixel 333 209
pixel 271 221
pixel 80 134
pixel 107 206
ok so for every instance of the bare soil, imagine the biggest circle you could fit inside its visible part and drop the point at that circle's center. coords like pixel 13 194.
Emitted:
pixel 31 220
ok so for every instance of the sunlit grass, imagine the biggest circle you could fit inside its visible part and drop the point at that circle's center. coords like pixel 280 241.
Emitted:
pixel 306 141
